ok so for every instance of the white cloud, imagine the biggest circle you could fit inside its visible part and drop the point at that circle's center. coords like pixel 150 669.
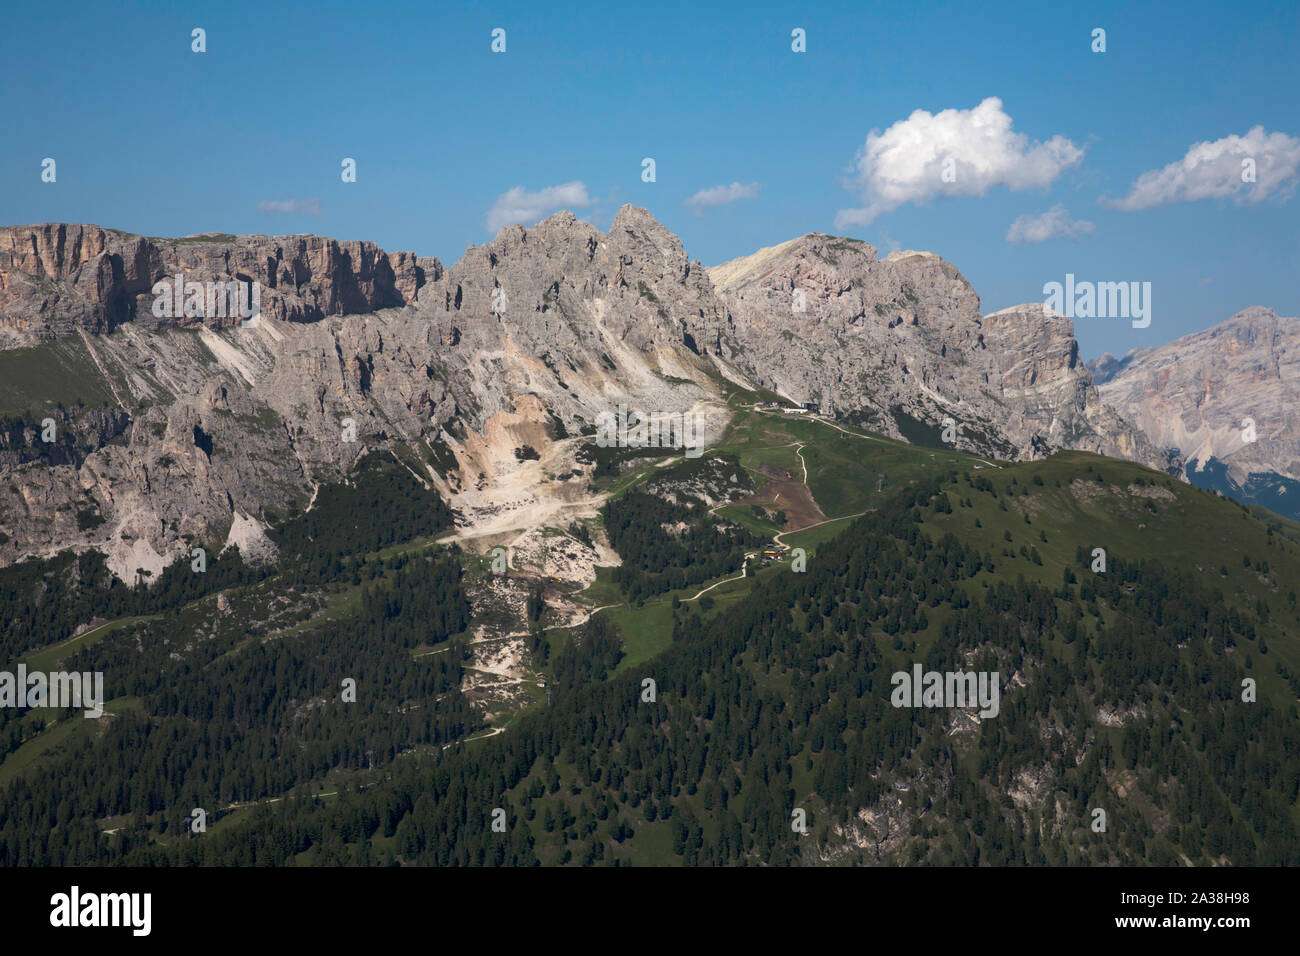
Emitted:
pixel 1053 224
pixel 290 207
pixel 1214 171
pixel 907 162
pixel 721 195
pixel 525 208
pixel 892 244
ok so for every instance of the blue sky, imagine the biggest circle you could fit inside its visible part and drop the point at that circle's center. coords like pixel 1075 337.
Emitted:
pixel 153 138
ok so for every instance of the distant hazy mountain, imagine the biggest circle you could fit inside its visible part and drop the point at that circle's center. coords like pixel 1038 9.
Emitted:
pixel 1202 393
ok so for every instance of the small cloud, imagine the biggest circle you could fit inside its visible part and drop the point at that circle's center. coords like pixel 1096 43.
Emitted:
pixel 520 206
pixel 1250 168
pixel 892 244
pixel 290 207
pixel 951 153
pixel 1204 282
pixel 1053 224
pixel 721 195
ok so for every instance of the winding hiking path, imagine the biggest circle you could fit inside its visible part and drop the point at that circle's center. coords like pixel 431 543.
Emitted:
pixel 798 450
pixel 781 534
pixel 744 569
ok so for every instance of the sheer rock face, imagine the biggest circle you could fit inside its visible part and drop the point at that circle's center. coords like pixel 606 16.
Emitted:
pixel 56 278
pixel 1194 393
pixel 211 429
pixel 900 345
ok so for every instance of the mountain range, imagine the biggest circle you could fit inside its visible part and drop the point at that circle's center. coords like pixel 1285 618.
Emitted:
pixel 406 605
pixel 141 433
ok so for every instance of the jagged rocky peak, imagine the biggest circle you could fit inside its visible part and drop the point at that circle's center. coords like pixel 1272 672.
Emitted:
pixel 635 227
pixel 635 282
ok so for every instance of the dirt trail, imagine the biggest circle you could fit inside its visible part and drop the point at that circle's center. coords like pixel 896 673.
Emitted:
pixel 744 569
pixel 491 733
pixel 780 534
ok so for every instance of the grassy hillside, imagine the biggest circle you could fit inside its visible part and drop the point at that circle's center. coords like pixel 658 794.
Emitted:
pixel 1123 690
